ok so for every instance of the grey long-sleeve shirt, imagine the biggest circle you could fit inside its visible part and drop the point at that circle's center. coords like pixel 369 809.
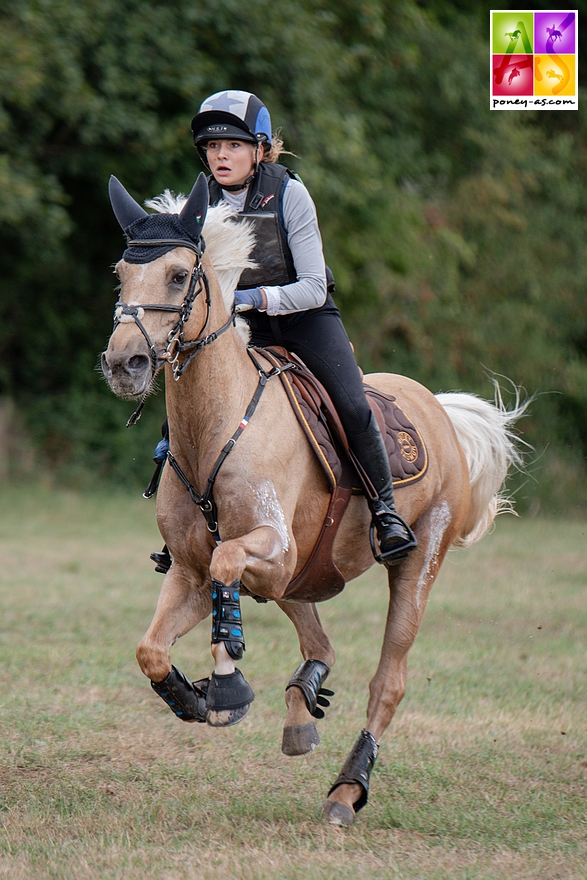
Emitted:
pixel 305 244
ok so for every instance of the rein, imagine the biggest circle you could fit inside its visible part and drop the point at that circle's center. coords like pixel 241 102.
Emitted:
pixel 176 345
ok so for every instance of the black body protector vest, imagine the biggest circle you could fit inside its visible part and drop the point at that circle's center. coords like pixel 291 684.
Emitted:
pixel 263 207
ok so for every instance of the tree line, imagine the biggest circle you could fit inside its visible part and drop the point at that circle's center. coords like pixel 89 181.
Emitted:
pixel 457 235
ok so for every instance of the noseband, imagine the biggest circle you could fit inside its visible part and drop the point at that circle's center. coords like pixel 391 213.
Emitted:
pixel 176 345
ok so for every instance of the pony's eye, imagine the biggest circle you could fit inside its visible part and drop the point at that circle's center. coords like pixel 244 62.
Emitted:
pixel 180 277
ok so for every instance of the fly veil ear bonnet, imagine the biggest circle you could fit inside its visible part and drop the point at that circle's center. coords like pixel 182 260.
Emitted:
pixel 149 236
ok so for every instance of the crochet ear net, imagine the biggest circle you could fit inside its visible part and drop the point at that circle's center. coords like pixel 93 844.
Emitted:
pixel 192 216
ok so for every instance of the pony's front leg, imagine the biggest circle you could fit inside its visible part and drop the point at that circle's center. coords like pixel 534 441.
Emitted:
pixel 261 558
pixel 181 606
pixel 304 691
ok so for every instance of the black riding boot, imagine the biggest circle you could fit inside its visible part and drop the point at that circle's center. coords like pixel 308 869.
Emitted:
pixel 394 536
pixel 162 560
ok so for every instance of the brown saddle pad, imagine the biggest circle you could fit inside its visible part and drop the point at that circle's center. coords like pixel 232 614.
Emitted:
pixel 407 452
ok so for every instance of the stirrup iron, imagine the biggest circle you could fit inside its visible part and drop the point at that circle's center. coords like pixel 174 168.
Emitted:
pixel 162 560
pixel 395 554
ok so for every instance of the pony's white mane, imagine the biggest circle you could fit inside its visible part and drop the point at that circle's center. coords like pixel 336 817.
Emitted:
pixel 228 244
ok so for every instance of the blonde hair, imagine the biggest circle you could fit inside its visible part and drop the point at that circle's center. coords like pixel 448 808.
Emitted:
pixel 276 149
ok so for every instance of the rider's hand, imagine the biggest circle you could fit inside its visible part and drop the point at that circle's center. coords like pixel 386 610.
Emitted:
pixel 250 298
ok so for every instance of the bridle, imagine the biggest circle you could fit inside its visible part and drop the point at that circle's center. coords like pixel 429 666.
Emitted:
pixel 176 344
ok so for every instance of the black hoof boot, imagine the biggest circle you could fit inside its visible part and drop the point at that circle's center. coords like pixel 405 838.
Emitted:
pixel 356 770
pixel 309 678
pixel 394 536
pixel 228 699
pixel 162 560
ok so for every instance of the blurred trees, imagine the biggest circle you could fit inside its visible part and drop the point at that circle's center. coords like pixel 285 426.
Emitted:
pixel 456 234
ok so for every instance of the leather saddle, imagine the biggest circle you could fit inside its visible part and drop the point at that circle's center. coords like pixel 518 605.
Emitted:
pixel 319 576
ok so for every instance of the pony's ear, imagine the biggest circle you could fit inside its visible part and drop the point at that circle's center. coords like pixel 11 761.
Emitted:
pixel 124 206
pixel 193 212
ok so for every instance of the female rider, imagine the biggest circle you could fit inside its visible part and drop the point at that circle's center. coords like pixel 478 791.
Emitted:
pixel 286 297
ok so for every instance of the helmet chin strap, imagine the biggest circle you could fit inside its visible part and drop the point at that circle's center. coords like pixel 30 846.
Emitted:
pixel 238 187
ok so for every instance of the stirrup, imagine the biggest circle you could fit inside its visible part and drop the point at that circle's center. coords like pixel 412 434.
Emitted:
pixel 396 554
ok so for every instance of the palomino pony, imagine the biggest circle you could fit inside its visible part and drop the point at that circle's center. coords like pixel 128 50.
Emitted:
pixel 233 433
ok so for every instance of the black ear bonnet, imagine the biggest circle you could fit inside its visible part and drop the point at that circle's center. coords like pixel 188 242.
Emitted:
pixel 171 230
pixel 154 227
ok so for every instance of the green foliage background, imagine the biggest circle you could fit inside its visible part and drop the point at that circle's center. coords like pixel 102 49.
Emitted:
pixel 457 235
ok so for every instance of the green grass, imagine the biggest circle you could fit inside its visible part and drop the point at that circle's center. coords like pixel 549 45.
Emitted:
pixel 481 775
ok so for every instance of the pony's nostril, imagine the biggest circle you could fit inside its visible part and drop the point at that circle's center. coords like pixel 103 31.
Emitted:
pixel 138 363
pixel 105 367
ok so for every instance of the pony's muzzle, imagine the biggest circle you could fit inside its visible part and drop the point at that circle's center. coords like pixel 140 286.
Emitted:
pixel 128 374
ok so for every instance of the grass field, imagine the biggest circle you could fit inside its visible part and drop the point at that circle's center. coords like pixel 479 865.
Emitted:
pixel 483 773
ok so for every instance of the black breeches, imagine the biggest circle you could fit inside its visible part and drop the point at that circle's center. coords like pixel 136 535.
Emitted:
pixel 318 337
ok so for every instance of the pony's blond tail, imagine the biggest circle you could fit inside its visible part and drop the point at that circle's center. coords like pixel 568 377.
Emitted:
pixel 485 433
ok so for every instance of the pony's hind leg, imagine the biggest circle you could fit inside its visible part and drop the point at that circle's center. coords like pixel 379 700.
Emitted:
pixel 409 587
pixel 303 693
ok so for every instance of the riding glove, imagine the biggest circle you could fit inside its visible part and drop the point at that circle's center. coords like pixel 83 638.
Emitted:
pixel 250 298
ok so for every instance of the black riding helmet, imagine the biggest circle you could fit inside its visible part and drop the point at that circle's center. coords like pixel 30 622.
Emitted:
pixel 231 114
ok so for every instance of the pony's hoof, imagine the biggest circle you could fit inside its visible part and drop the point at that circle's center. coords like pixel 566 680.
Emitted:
pixel 336 813
pixel 226 717
pixel 299 739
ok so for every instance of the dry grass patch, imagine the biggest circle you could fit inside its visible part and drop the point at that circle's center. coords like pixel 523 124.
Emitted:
pixel 482 774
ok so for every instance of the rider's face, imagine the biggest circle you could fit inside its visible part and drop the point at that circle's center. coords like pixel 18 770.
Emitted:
pixel 231 162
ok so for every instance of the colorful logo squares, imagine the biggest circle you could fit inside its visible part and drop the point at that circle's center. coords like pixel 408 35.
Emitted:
pixel 533 60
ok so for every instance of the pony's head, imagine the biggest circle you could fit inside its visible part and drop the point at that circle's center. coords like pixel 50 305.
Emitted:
pixel 177 279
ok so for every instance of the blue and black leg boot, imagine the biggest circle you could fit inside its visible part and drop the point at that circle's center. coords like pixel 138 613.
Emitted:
pixel 230 695
pixel 227 623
